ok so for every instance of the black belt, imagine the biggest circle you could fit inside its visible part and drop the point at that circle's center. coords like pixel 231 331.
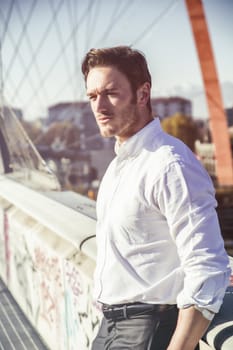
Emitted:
pixel 123 311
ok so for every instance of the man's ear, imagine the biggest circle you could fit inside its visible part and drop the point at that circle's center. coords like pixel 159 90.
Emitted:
pixel 143 94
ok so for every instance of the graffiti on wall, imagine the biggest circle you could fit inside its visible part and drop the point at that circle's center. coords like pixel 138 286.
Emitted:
pixel 24 269
pixel 53 291
pixel 6 245
pixel 82 314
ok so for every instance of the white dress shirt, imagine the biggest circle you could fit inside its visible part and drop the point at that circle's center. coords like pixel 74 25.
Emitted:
pixel 158 235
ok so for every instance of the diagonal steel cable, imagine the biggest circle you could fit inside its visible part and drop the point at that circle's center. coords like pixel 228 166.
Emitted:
pixel 69 80
pixel 6 24
pixel 21 38
pixel 73 12
pixel 115 17
pixel 91 22
pixel 29 44
pixel 155 21
pixel 55 62
pixel 70 75
pixel 40 45
pixel 21 60
pixel 60 39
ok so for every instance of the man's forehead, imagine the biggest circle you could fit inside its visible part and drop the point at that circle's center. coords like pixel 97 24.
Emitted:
pixel 106 72
pixel 103 79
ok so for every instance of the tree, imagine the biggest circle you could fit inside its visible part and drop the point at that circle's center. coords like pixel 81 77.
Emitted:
pixel 33 129
pixel 64 132
pixel 182 127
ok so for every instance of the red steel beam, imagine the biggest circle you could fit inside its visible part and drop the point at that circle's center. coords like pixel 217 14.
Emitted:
pixel 217 116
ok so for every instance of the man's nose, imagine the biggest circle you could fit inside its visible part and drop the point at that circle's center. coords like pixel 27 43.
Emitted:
pixel 101 103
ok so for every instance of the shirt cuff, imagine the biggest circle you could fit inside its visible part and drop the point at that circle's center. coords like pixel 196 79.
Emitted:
pixel 209 315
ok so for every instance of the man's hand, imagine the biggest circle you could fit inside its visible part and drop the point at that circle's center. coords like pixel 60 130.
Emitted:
pixel 191 326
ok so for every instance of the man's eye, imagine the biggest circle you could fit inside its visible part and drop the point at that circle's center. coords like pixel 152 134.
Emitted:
pixel 92 97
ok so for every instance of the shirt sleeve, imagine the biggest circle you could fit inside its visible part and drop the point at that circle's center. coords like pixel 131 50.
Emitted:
pixel 186 198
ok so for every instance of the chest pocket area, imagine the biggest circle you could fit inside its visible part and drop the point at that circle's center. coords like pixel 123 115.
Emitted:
pixel 136 223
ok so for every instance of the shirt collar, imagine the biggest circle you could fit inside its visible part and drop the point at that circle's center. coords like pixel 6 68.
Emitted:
pixel 142 138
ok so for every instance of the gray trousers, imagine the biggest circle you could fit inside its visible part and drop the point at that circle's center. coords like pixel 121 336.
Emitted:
pixel 144 332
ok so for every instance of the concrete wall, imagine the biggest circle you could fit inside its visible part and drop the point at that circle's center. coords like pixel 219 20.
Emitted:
pixel 42 265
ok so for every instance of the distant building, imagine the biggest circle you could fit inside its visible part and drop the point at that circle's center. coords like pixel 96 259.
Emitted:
pixel 167 106
pixel 203 130
pixel 69 111
pixel 229 114
pixel 80 114
pixel 205 153
pixel 7 111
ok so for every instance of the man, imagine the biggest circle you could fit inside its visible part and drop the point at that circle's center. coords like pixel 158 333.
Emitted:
pixel 158 237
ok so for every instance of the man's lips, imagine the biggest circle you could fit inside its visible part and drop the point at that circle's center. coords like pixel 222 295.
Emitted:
pixel 104 119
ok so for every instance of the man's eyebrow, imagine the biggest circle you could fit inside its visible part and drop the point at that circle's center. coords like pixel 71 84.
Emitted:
pixel 103 91
pixel 91 92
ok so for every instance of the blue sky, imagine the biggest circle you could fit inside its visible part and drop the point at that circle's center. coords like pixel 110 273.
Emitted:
pixel 42 57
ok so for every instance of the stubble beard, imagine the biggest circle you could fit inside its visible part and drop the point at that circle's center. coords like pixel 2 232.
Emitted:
pixel 126 126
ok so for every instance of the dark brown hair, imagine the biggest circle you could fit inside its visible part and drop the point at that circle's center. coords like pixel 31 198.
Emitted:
pixel 131 63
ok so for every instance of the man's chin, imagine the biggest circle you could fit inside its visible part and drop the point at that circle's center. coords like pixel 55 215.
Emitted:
pixel 106 133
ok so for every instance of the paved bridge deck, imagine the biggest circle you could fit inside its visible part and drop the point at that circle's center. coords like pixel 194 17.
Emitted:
pixel 16 333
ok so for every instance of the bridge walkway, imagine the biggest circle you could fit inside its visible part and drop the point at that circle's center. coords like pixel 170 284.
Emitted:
pixel 16 333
